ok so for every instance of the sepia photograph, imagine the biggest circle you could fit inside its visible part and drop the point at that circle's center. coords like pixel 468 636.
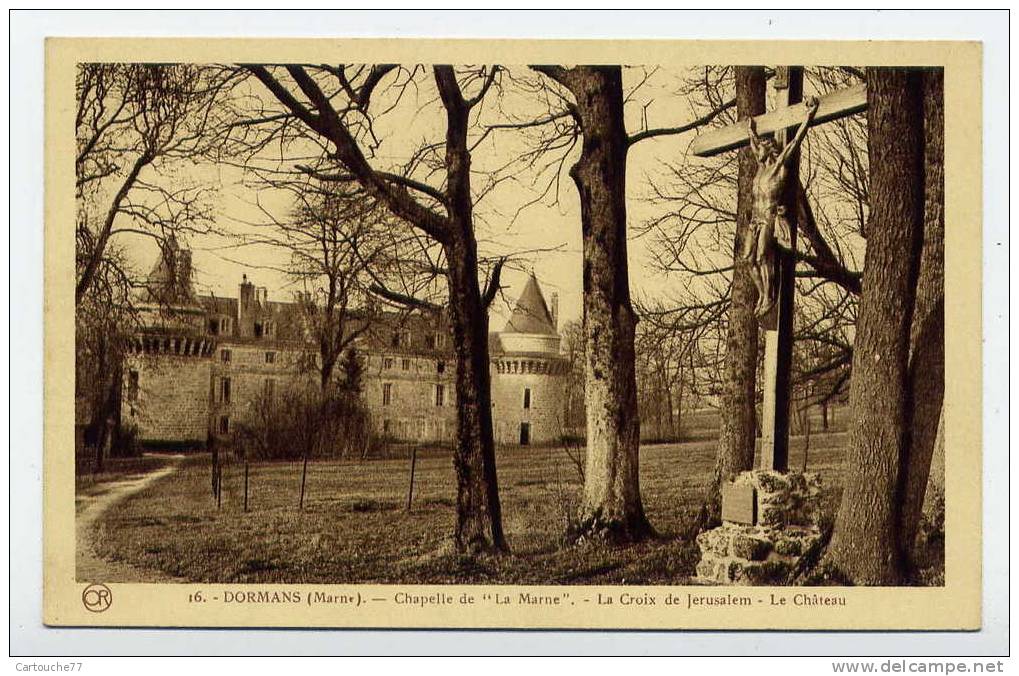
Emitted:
pixel 539 324
pixel 517 334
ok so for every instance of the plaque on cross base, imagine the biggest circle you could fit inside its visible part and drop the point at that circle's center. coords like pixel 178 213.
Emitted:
pixel 739 503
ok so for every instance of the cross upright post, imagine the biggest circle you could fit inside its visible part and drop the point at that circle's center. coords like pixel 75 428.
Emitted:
pixel 778 325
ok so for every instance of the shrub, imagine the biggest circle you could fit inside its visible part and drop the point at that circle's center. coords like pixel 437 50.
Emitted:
pixel 302 420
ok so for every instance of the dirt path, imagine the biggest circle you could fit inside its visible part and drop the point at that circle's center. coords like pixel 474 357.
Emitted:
pixel 89 566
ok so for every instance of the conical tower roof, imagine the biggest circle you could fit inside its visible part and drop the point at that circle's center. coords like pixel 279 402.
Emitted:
pixel 169 283
pixel 531 314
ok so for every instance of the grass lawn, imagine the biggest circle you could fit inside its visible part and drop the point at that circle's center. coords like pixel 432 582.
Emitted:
pixel 354 526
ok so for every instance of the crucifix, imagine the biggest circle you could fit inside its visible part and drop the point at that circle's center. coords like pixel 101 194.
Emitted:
pixel 770 245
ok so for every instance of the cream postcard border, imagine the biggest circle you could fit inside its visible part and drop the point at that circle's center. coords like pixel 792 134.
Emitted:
pixel 957 605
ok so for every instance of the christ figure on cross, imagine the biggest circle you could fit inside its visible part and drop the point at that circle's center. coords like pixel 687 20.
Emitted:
pixel 769 224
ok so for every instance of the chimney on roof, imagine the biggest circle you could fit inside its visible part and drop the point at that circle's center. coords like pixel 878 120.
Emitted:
pixel 247 291
pixel 555 310
pixel 244 303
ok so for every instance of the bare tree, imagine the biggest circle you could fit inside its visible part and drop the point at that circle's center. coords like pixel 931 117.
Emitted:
pixel 104 320
pixel 337 240
pixel 667 351
pixel 136 124
pixel 339 244
pixel 864 545
pixel 586 106
pixel 927 336
pixel 333 104
pixel 612 505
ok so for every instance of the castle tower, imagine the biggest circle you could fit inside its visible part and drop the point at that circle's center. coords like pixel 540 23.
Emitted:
pixel 528 373
pixel 164 396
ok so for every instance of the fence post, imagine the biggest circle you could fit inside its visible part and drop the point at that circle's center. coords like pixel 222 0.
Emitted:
pixel 413 464
pixel 304 477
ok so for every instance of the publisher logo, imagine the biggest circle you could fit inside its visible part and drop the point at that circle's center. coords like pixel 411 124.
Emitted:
pixel 97 597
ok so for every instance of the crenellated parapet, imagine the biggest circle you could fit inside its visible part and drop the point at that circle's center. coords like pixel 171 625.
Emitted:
pixel 544 366
pixel 181 345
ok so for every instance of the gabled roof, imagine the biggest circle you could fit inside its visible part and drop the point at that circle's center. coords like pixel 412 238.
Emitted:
pixel 531 314
pixel 220 305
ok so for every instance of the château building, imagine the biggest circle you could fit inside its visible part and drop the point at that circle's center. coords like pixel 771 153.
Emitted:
pixel 198 362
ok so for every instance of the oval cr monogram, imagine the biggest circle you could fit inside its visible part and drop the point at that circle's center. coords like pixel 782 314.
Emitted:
pixel 97 598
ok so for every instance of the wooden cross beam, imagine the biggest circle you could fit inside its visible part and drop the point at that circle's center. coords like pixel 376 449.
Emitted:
pixel 836 105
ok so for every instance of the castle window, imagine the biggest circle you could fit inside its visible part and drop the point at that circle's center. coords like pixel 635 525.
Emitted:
pixel 430 341
pixel 440 366
pixel 387 394
pixel 132 386
pixel 225 356
pixel 395 342
pixel 224 325
pixel 224 424
pixel 387 363
pixel 224 390
pixel 440 395
pixel 214 326
pixel 527 397
pixel 386 425
pixel 406 364
pixel 259 329
pixel 270 357
pixel 270 329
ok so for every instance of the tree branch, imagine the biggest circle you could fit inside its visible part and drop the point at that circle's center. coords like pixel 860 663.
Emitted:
pixel 475 100
pixel 284 96
pixel 493 283
pixel 825 261
pixel 557 73
pixel 670 131
pixel 402 299
pixel 99 250
pixel 394 196
pixel 404 181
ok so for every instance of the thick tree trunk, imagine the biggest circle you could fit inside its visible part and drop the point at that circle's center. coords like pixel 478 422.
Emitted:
pixel 864 545
pixel 927 339
pixel 738 423
pixel 106 411
pixel 934 496
pixel 479 514
pixel 612 506
pixel 478 520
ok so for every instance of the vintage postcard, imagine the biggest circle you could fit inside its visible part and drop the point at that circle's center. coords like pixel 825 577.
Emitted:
pixel 513 334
